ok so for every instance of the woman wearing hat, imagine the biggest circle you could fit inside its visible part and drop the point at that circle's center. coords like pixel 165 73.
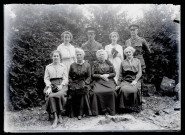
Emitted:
pixel 115 53
pixel 139 44
pixel 67 50
pixel 129 94
pixel 104 95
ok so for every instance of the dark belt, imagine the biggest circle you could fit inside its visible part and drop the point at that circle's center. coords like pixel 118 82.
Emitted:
pixel 56 81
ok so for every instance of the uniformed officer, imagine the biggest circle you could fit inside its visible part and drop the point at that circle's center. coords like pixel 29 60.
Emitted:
pixel 91 46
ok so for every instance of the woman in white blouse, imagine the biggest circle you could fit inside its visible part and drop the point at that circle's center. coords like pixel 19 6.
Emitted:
pixel 67 50
pixel 115 53
pixel 56 75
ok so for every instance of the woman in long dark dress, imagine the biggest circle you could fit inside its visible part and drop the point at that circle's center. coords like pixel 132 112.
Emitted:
pixel 79 86
pixel 103 97
pixel 56 74
pixel 129 94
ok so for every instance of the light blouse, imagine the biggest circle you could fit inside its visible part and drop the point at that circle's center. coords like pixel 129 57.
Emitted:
pixel 68 54
pixel 53 71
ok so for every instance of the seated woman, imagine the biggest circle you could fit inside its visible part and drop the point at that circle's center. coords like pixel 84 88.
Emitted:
pixel 79 86
pixel 56 80
pixel 129 94
pixel 103 97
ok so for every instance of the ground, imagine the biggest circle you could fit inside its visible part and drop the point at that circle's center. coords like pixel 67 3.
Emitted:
pixel 157 114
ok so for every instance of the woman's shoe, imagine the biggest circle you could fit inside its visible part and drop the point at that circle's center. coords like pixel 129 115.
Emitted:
pixel 106 114
pixel 79 117
pixel 54 124
pixel 60 119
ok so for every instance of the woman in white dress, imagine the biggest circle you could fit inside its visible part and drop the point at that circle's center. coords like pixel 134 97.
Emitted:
pixel 67 50
pixel 115 53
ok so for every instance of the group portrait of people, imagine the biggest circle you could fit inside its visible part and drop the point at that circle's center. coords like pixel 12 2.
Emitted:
pixel 94 80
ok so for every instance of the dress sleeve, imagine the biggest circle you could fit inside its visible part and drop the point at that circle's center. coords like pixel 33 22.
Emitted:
pixel 74 55
pixel 65 76
pixel 120 74
pixel 82 46
pixel 127 43
pixel 70 74
pixel 100 47
pixel 139 74
pixel 146 46
pixel 106 49
pixel 58 48
pixel 47 77
pixel 121 52
pixel 95 76
pixel 113 72
pixel 88 80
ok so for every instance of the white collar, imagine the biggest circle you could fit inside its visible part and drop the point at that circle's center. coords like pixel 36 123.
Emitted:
pixel 113 45
pixel 81 62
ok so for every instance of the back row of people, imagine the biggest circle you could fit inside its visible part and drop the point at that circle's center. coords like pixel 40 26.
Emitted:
pixel 103 84
pixel 114 50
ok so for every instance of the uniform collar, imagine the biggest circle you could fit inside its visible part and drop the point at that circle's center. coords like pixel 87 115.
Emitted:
pixel 94 41
pixel 137 37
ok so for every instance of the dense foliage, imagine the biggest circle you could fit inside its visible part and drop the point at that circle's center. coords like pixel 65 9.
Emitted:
pixel 36 30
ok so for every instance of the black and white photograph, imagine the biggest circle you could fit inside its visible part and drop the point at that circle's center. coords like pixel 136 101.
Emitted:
pixel 92 68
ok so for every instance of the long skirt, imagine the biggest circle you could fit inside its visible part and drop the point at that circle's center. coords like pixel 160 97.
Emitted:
pixel 78 105
pixel 129 97
pixel 103 98
pixel 56 102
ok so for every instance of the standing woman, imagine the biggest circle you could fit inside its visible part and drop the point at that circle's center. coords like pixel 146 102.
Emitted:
pixel 115 53
pixel 56 76
pixel 104 95
pixel 79 86
pixel 129 95
pixel 67 50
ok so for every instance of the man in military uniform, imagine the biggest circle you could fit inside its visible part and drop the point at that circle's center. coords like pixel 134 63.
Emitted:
pixel 91 46
pixel 139 44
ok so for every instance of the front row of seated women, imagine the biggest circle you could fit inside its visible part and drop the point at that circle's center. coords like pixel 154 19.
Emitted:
pixel 92 91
